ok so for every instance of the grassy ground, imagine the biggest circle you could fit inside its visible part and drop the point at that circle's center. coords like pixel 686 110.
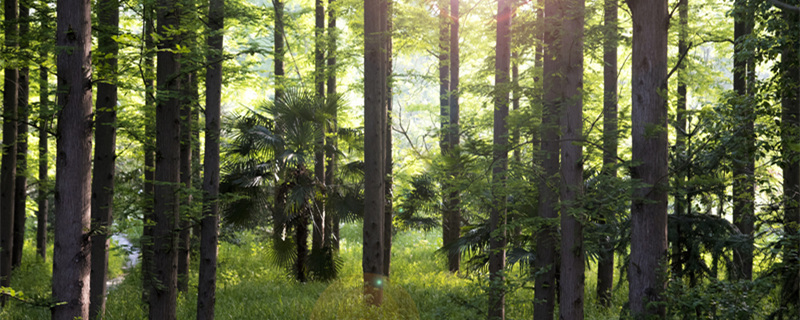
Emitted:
pixel 251 287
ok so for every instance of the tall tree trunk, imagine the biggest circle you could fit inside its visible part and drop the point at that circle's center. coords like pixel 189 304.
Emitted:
pixel 375 144
pixel 497 218
pixel 207 284
pixel 332 219
pixel 318 214
pixel 570 63
pixel 104 153
pixel 184 230
pixel 8 169
pixel 790 124
pixel 744 168
pixel 21 182
pixel 452 221
pixel 301 241
pixel 681 203
pixel 649 132
pixel 149 149
pixel 445 25
pixel 547 237
pixel 166 208
pixel 387 213
pixel 605 262
pixel 72 249
pixel 279 49
pixel 43 206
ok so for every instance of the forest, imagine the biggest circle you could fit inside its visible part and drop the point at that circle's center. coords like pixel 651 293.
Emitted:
pixel 400 159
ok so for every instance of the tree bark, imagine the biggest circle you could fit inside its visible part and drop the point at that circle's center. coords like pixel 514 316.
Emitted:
pixel 497 218
pixel 605 263
pixel 790 124
pixel 375 144
pixel 278 52
pixel 744 168
pixel 8 169
pixel 387 213
pixel 332 219
pixel 318 213
pixel 452 223
pixel 149 150
pixel 105 153
pixel 166 208
pixel 681 200
pixel 43 205
pixel 72 249
pixel 21 181
pixel 649 133
pixel 547 237
pixel 184 230
pixel 207 284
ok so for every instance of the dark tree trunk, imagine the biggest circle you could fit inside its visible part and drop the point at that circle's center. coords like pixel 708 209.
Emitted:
pixel 331 234
pixel 605 263
pixel 301 241
pixel 452 221
pixel 104 153
pixel 43 205
pixel 681 203
pixel 570 65
pixel 21 181
pixel 445 33
pixel 279 48
pixel 166 205
pixel 8 170
pixel 375 72
pixel 318 213
pixel 790 124
pixel 546 240
pixel 149 150
pixel 387 213
pixel 207 284
pixel 184 233
pixel 744 168
pixel 649 132
pixel 497 218
pixel 72 249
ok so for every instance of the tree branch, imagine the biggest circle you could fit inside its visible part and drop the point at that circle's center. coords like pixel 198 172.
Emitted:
pixel 784 6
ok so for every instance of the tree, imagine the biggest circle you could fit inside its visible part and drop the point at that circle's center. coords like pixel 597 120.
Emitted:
pixel 166 205
pixel 682 203
pixel 452 222
pixel 278 52
pixel 149 148
pixel 8 168
pixel 318 217
pixel 569 57
pixel 105 152
pixel 649 132
pixel 331 234
pixel 375 76
pixel 497 218
pixel 43 186
pixel 605 263
pixel 387 165
pixel 71 252
pixel 207 284
pixel 21 181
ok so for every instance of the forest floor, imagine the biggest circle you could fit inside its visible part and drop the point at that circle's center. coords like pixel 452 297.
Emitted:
pixel 250 286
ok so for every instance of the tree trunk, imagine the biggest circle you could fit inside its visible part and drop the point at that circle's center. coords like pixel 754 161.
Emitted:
pixel 387 213
pixel 605 262
pixel 8 170
pixel 184 233
pixel 744 168
pixel 375 73
pixel 149 151
pixel 570 63
pixel 445 78
pixel 649 133
pixel 104 153
pixel 301 241
pixel 546 240
pixel 681 202
pixel 790 124
pixel 72 249
pixel 43 205
pixel 21 181
pixel 497 218
pixel 332 218
pixel 166 208
pixel 279 48
pixel 207 284
pixel 452 223
pixel 318 213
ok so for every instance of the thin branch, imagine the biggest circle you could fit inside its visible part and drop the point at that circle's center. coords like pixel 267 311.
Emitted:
pixel 784 6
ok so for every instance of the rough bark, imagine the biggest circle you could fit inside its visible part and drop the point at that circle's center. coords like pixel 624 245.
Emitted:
pixel 166 205
pixel 570 64
pixel 744 167
pixel 207 284
pixel 497 218
pixel 21 181
pixel 279 49
pixel 547 237
pixel 104 153
pixel 387 213
pixel 8 169
pixel 605 263
pixel 452 213
pixel 374 144
pixel 42 204
pixel 649 132
pixel 790 125
pixel 72 244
